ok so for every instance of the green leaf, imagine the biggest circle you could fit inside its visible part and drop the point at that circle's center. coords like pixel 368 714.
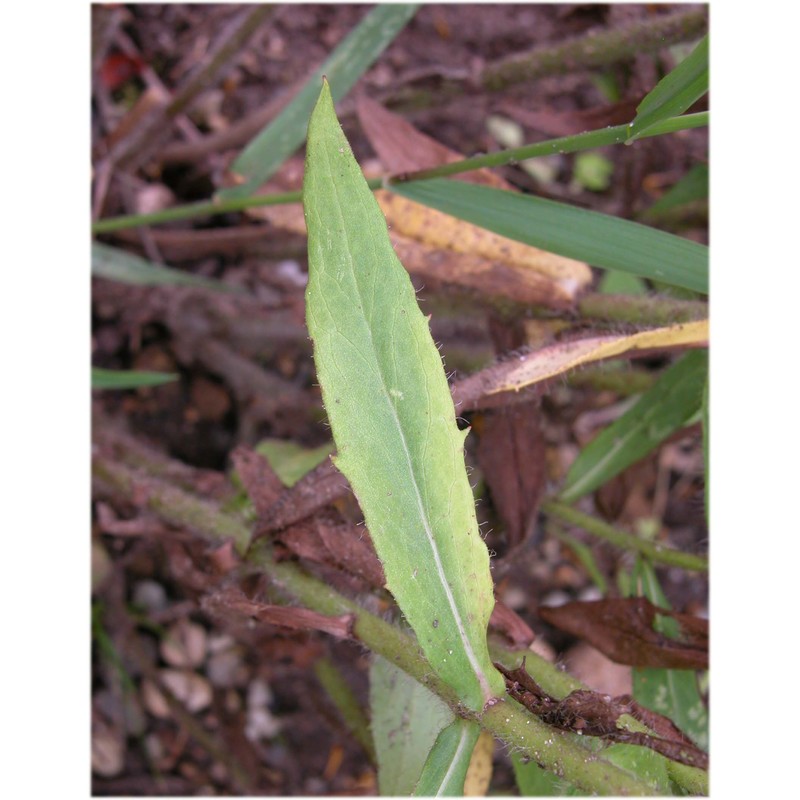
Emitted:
pixel 406 719
pixel 446 767
pixel 663 409
pixel 646 764
pixel 290 460
pixel 675 92
pixel 117 265
pixel 392 417
pixel 599 239
pixel 348 62
pixel 128 379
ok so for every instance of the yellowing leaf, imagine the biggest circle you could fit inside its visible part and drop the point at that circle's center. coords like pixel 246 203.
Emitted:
pixel 559 358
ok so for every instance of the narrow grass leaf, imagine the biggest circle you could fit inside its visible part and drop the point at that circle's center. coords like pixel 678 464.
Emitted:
pixel 348 62
pixel 128 379
pixel 666 407
pixel 598 239
pixel 392 417
pixel 675 92
pixel 118 265
pixel 446 767
pixel 406 719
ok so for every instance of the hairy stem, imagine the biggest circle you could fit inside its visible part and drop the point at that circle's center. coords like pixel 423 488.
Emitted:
pixel 597 49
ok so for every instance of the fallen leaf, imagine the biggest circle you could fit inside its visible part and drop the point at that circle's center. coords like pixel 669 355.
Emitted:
pixel 509 623
pixel 511 455
pixel 623 630
pixel 233 600
pixel 263 486
pixel 402 148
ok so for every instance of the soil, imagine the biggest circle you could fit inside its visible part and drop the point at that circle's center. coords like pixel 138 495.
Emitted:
pixel 250 715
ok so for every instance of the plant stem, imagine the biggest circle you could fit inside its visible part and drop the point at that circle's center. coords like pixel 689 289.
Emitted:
pixel 345 701
pixel 656 553
pixel 191 210
pixel 617 134
pixel 566 144
pixel 171 504
pixel 596 49
pixel 637 309
pixel 508 721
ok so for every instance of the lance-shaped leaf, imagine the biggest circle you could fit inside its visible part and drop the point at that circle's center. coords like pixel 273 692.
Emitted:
pixel 392 416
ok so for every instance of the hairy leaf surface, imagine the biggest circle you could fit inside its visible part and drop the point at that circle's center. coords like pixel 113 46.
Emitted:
pixel 392 416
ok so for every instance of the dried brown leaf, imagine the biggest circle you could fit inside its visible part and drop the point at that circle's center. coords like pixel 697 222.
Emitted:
pixel 623 630
pixel 511 455
pixel 233 600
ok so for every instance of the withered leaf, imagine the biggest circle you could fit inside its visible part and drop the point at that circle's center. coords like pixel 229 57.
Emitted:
pixel 622 629
pixel 511 625
pixel 262 484
pixel 311 493
pixel 593 714
pixel 233 600
pixel 511 455
pixel 402 148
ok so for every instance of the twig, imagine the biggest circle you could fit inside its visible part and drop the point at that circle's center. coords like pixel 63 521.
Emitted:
pixel 596 49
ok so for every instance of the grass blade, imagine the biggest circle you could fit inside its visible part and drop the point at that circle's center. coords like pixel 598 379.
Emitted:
pixel 675 92
pixel 118 265
pixel 598 239
pixel 392 417
pixel 351 59
pixel 129 379
pixel 660 411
